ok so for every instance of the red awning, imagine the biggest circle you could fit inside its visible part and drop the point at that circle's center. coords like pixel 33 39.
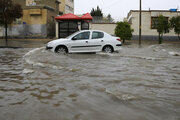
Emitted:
pixel 68 16
pixel 87 16
pixel 71 16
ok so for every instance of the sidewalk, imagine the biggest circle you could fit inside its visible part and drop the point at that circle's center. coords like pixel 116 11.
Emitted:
pixel 23 43
pixel 150 42
pixel 28 39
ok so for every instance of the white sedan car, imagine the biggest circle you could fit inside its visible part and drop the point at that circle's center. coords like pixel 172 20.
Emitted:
pixel 85 41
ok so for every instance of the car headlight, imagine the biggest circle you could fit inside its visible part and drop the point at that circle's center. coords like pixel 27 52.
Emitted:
pixel 49 43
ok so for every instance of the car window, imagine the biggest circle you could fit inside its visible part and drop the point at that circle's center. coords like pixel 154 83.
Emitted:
pixel 96 35
pixel 82 36
pixel 72 35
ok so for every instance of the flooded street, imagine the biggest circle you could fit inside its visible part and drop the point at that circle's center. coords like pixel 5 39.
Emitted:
pixel 138 83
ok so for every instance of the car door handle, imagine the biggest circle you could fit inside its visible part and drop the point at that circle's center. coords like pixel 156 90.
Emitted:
pixel 102 40
pixel 86 41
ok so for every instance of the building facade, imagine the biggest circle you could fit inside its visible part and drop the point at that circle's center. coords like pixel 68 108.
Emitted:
pixel 149 18
pixel 38 18
pixel 67 6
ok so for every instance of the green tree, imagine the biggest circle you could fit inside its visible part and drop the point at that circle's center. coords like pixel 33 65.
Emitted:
pixel 124 31
pixel 110 19
pixel 96 12
pixel 8 13
pixel 92 12
pixel 163 27
pixel 175 23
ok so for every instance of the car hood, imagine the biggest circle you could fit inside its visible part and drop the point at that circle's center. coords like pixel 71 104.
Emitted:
pixel 58 41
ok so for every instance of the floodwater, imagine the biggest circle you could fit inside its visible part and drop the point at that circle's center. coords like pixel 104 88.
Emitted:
pixel 138 83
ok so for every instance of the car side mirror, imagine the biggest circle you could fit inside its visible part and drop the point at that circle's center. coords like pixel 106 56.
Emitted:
pixel 74 38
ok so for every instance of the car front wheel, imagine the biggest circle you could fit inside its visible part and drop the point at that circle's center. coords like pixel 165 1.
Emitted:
pixel 108 49
pixel 61 50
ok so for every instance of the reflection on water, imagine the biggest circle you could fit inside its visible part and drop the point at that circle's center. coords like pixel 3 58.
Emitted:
pixel 136 83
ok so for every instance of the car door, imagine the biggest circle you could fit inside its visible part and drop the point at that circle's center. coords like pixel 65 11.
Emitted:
pixel 96 41
pixel 79 42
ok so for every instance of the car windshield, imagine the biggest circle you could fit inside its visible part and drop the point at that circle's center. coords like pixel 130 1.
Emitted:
pixel 72 35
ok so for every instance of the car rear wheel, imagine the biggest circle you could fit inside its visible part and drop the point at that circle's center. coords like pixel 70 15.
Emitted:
pixel 61 50
pixel 108 49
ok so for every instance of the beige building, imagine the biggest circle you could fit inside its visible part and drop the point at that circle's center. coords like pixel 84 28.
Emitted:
pixel 67 6
pixel 38 17
pixel 149 18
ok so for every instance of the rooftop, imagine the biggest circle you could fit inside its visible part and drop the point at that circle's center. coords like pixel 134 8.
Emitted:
pixel 171 10
pixel 71 16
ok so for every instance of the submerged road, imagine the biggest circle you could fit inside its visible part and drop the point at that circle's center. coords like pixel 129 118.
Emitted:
pixel 134 84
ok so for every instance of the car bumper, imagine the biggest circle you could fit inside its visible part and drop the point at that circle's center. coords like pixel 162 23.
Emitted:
pixel 49 48
pixel 118 45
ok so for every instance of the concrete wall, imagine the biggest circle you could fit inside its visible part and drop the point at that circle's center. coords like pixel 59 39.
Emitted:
pixel 37 30
pixel 26 31
pixel 57 29
pixel 146 22
pixel 107 27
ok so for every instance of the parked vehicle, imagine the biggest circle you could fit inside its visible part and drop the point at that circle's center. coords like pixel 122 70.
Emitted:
pixel 85 41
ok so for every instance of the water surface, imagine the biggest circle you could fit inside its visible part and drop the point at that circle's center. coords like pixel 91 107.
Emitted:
pixel 138 83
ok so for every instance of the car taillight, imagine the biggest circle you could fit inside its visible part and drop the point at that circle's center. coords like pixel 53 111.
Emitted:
pixel 118 39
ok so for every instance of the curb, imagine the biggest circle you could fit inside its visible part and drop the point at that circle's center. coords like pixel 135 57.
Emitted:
pixel 10 47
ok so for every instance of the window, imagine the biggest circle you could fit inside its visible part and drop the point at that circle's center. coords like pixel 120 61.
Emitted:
pixel 82 36
pixel 154 22
pixel 96 35
pixel 69 8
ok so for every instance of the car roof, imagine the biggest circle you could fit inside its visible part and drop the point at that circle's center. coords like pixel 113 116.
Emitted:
pixel 90 30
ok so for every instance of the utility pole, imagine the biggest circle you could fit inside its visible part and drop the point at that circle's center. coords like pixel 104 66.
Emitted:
pixel 6 25
pixel 140 27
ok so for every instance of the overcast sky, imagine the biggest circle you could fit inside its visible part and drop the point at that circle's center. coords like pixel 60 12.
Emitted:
pixel 120 8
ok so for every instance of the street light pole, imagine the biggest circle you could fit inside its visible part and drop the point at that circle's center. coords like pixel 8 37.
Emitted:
pixel 140 27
